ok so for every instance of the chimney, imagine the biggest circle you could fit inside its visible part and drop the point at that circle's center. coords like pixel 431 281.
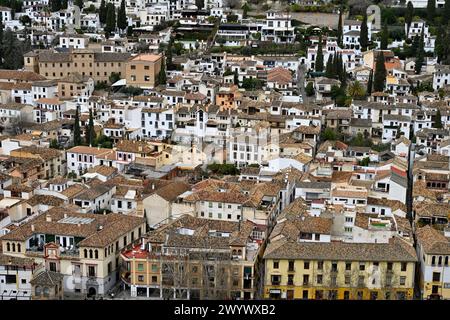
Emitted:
pixel 153 186
pixel 104 212
pixel 48 218
pixel 143 244
pixel 79 225
pixel 65 215
pixel 32 227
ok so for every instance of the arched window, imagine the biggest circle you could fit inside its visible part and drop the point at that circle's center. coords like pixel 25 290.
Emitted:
pixel 90 254
pixel 8 246
pixel 234 252
pixel 96 254
pixel 239 252
pixel 440 260
pixel 14 247
pixel 85 253
pixel 433 260
pixel 46 292
pixel 106 252
pixel 19 248
pixel 446 260
pixel 38 291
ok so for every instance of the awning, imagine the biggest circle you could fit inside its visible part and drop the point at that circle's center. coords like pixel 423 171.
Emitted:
pixel 120 83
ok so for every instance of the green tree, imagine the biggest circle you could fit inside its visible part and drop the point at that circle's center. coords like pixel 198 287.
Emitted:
pixel 420 54
pixel 200 4
pixel 440 45
pixel 328 134
pixel 319 57
pixel 364 162
pixel 370 83
pixel 236 77
pixel 438 121
pixel 329 66
pixel 102 12
pixel 409 14
pixel 356 90
pixel 122 17
pixel 446 13
pixel 90 134
pixel 379 78
pixel 340 29
pixel 76 128
pixel 384 37
pixel 245 9
pixel 364 34
pixel 114 77
pixel 12 48
pixel 431 10
pixel 78 3
pixel 54 144
pixel 162 78
pixel 309 89
pixel 110 19
pixel 415 45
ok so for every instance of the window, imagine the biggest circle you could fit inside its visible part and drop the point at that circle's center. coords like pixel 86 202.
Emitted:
pixel 402 281
pixel 362 266
pixel 348 266
pixel 436 276
pixel 276 264
pixel 320 265
pixel 52 266
pixel 346 295
pixel 291 265
pixel 403 266
pixel 154 279
pixel 389 266
pixel 140 267
pixel 290 280
pixel 276 279
pixel 347 279
pixel 141 278
pixel 305 279
pixel 306 265
pixel 373 295
pixel 96 254
pixel 319 279
pixel 91 271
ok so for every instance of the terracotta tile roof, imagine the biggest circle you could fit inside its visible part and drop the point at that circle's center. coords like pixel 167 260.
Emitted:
pixel 114 226
pixel 425 209
pixel 396 250
pixel 45 200
pixel 89 150
pixel 134 146
pixel 47 278
pixel 433 241
pixel 171 191
pixel 6 260
pixel 20 75
pixel 103 170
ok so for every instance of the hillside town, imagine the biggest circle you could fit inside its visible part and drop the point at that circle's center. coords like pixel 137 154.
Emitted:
pixel 224 149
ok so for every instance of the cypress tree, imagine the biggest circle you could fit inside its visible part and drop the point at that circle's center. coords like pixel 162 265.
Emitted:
pixel 110 18
pixel 329 67
pixel 122 16
pixel 446 13
pixel 364 34
pixel 78 3
pixel 340 29
pixel 76 129
pixel 162 79
pixel 438 121
pixel 102 12
pixel 379 78
pixel 439 45
pixel 236 77
pixel 339 67
pixel 90 133
pixel 431 10
pixel 335 65
pixel 384 37
pixel 319 57
pixel 370 83
pixel 409 15
pixel 420 54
